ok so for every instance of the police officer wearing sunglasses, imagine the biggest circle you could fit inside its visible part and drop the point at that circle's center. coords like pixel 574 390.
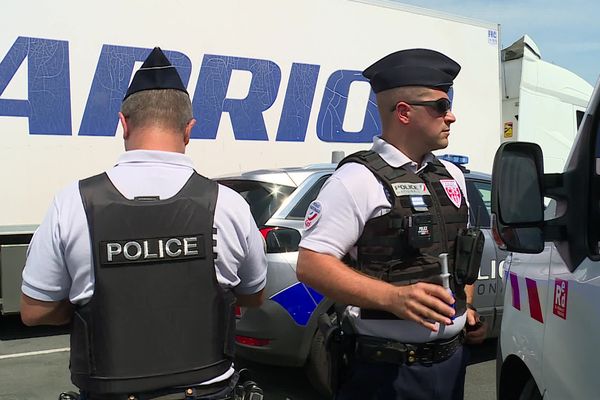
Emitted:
pixel 147 260
pixel 374 238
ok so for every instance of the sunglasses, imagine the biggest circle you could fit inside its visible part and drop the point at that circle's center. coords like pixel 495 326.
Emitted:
pixel 440 106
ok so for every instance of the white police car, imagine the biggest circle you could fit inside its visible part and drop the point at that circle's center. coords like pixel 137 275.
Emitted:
pixel 283 330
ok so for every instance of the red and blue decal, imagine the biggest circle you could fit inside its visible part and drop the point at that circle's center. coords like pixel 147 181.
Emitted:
pixel 514 284
pixel 300 301
pixel 535 308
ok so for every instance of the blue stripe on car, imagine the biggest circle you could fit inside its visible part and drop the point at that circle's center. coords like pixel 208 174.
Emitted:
pixel 299 301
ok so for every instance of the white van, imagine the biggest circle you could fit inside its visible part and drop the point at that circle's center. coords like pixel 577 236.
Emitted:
pixel 548 346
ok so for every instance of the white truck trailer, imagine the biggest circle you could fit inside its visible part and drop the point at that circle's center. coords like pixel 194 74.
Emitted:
pixel 273 83
pixel 541 102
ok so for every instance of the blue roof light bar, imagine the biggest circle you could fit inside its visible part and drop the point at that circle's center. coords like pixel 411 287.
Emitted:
pixel 455 159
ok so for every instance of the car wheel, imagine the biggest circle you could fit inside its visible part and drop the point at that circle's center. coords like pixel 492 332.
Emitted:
pixel 317 366
pixel 530 391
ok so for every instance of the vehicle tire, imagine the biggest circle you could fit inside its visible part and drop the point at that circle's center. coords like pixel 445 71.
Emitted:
pixel 317 366
pixel 530 391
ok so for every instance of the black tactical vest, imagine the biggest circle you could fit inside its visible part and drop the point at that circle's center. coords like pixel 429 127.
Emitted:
pixel 157 318
pixel 402 246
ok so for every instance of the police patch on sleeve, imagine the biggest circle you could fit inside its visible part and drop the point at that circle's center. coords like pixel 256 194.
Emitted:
pixel 313 213
pixel 452 191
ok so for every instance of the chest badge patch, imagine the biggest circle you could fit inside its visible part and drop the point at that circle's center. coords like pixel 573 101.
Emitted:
pixel 313 214
pixel 452 191
pixel 410 189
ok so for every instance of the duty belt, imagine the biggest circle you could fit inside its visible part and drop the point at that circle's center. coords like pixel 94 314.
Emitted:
pixel 182 393
pixel 374 349
pixel 233 388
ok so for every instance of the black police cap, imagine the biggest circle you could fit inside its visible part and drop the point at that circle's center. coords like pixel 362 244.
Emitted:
pixel 412 67
pixel 156 73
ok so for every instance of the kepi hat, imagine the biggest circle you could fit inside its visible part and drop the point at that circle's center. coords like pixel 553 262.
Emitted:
pixel 412 67
pixel 156 72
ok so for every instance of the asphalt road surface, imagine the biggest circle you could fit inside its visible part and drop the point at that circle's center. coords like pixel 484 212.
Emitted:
pixel 34 366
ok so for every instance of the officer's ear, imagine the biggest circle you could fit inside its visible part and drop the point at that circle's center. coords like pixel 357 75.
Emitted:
pixel 402 112
pixel 124 125
pixel 188 130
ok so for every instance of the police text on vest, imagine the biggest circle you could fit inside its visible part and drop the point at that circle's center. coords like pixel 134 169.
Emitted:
pixel 148 250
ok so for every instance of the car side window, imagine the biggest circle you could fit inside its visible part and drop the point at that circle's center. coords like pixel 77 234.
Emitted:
pixel 480 201
pixel 264 198
pixel 299 210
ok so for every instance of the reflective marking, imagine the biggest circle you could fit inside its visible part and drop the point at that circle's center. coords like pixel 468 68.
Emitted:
pixel 514 285
pixel 535 310
pixel 34 353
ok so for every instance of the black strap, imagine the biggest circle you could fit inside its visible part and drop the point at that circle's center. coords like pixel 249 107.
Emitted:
pixel 179 393
pixel 437 167
pixel 374 349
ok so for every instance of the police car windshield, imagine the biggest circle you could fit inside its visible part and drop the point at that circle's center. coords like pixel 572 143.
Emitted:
pixel 264 198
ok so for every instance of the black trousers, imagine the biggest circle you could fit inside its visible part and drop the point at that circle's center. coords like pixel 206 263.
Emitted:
pixel 381 381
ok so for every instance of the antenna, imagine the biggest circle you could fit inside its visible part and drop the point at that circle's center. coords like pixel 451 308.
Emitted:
pixel 478 217
pixel 337 156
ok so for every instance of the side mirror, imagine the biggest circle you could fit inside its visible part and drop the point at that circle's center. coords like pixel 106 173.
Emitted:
pixel 282 240
pixel 519 185
pixel 517 197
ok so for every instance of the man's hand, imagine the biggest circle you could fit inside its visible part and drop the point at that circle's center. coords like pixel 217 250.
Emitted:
pixel 424 303
pixel 479 334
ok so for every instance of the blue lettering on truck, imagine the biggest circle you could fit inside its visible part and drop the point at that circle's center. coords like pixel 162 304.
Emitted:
pixel 48 103
pixel 246 114
pixel 299 97
pixel 333 110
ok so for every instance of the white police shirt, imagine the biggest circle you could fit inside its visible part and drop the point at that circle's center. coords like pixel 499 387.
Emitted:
pixel 59 258
pixel 336 219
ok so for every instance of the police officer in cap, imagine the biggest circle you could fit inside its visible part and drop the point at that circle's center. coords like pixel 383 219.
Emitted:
pixel 374 238
pixel 147 260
